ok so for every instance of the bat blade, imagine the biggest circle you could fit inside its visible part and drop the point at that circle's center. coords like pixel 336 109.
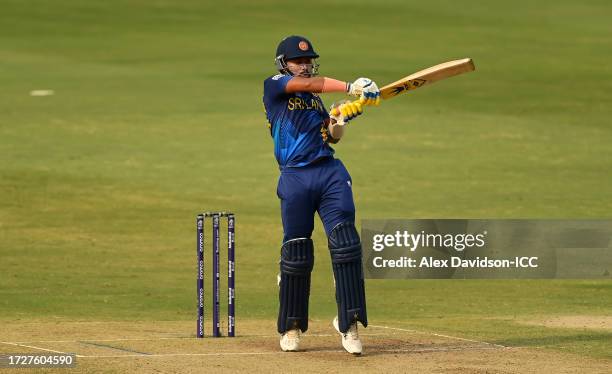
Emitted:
pixel 427 76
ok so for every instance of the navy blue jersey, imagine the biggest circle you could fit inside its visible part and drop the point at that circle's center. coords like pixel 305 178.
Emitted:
pixel 295 123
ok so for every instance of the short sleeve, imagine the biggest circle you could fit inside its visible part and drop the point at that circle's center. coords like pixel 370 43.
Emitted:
pixel 275 86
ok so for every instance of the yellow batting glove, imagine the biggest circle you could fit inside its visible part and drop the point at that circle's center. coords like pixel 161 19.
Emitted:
pixel 346 111
pixel 350 110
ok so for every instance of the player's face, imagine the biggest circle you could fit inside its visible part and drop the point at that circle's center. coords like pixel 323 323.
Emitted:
pixel 301 67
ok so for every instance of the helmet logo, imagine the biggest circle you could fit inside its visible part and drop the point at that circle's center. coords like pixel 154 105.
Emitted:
pixel 303 45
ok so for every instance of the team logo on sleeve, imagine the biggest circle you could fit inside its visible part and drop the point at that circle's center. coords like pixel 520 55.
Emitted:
pixel 277 77
pixel 303 45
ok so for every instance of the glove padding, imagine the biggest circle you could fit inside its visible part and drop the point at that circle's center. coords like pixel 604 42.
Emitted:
pixel 340 115
pixel 344 111
pixel 366 90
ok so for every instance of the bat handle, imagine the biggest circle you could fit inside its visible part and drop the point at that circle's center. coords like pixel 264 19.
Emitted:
pixel 336 111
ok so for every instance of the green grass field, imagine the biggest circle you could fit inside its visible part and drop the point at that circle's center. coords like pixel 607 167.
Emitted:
pixel 157 115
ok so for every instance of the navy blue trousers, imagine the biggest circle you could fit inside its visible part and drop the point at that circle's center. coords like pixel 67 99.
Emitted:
pixel 323 187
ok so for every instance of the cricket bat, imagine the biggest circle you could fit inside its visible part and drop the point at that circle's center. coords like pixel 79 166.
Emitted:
pixel 427 76
pixel 424 77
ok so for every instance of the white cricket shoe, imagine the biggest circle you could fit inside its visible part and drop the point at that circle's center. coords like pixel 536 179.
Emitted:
pixel 290 341
pixel 350 339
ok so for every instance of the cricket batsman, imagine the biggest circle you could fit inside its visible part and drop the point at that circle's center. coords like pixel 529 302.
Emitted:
pixel 312 180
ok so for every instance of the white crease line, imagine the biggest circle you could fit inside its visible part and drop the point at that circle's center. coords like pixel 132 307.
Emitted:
pixel 105 340
pixel 33 347
pixel 418 350
pixel 440 335
pixel 246 336
pixel 192 354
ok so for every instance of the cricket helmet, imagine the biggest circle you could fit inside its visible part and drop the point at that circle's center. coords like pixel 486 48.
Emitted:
pixel 291 47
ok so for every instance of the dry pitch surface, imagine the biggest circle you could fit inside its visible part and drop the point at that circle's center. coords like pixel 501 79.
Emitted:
pixel 171 347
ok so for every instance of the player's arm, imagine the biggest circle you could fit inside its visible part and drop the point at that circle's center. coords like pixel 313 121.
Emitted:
pixel 315 85
pixel 337 123
pixel 363 87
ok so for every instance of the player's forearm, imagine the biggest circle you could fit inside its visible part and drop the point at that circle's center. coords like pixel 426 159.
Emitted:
pixel 316 85
pixel 336 131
